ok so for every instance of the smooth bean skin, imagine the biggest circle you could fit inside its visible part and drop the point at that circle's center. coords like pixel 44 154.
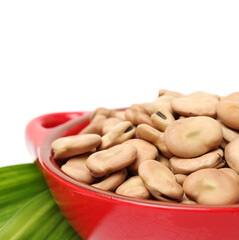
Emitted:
pixel 231 172
pixel 95 126
pixel 66 147
pixel 109 124
pixel 234 96
pixel 211 187
pixel 134 187
pixel 145 151
pixel 201 94
pixel 139 108
pixel 228 113
pixel 160 181
pixel 187 201
pixel 189 165
pixel 76 168
pixel 165 161
pixel 161 102
pixel 188 106
pixel 167 92
pixel 119 114
pixel 162 119
pixel 110 160
pixel 228 133
pixel 118 134
pixel 180 178
pixel 100 111
pixel 232 154
pixel 192 136
pixel 137 117
pixel 111 182
pixel 154 136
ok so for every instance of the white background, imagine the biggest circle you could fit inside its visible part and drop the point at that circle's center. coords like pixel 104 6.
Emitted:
pixel 77 55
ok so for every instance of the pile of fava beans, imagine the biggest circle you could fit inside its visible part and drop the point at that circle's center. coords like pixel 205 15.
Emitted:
pixel 178 148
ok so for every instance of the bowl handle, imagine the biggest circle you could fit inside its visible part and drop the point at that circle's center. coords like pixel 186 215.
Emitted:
pixel 40 127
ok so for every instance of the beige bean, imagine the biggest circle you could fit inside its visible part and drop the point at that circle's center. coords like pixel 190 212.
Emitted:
pixel 172 143
pixel 111 182
pixel 118 134
pixel 147 107
pixel 200 94
pixel 231 97
pixel 228 133
pixel 189 165
pixel 76 168
pixel 162 119
pixel 180 178
pixel 231 172
pixel 221 164
pixel 192 136
pixel 119 114
pixel 133 187
pixel 154 136
pixel 110 160
pixel 138 108
pixel 228 113
pixel 185 200
pixel 137 117
pixel 223 144
pixel 232 154
pixel 66 147
pixel 109 124
pixel 163 92
pixel 95 126
pixel 188 106
pixel 161 103
pixel 160 181
pixel 162 159
pixel 101 111
pixel 212 187
pixel 145 151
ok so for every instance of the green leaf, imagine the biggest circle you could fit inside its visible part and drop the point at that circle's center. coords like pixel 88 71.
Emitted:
pixel 27 208
pixel 18 184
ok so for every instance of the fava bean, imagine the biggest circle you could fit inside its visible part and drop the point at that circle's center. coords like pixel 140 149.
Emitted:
pixel 232 154
pixel 111 182
pixel 211 186
pixel 145 151
pixel 137 117
pixel 192 136
pixel 160 181
pixel 228 113
pixel 180 178
pixel 178 148
pixel 231 172
pixel 70 146
pixel 228 133
pixel 162 119
pixel 110 160
pixel 109 124
pixel 188 106
pixel 76 168
pixel 189 165
pixel 118 134
pixel 95 125
pixel 154 136
pixel 134 187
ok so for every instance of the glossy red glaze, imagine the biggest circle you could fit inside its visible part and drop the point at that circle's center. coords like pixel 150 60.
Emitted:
pixel 96 214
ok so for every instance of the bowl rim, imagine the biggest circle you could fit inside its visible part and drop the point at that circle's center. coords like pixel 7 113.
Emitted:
pixel 48 163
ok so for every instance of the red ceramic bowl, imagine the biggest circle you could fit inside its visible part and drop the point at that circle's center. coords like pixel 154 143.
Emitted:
pixel 97 214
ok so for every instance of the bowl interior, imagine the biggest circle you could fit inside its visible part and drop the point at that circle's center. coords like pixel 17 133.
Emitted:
pixel 73 127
